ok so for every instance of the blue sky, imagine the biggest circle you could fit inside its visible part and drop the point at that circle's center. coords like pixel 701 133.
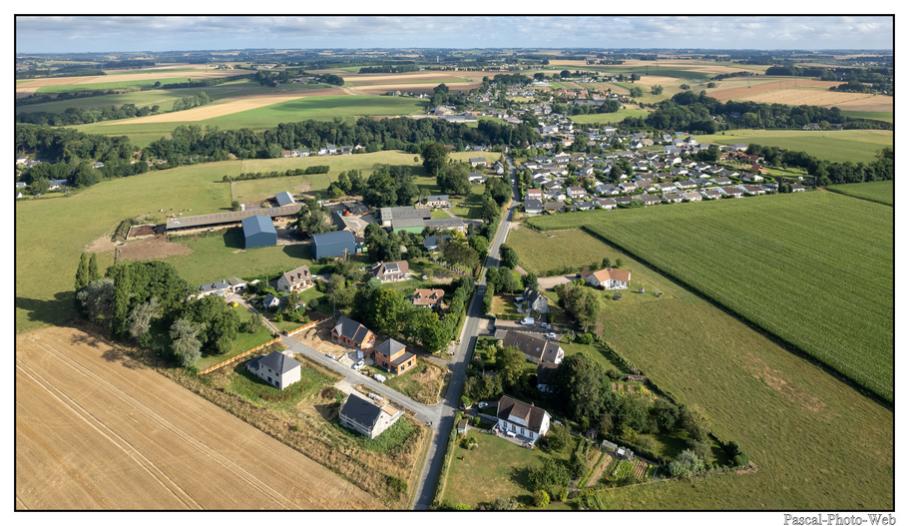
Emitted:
pixel 86 34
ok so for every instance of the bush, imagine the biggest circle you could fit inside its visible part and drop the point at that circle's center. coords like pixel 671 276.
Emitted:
pixel 541 498
pixel 584 338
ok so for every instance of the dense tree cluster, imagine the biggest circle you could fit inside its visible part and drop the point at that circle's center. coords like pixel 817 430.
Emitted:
pixel 827 172
pixel 192 144
pixel 71 116
pixel 67 145
pixel 146 302
pixel 388 312
pixel 699 113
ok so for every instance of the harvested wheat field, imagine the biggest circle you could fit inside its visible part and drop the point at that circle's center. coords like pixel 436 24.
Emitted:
pixel 795 91
pixel 227 107
pixel 97 429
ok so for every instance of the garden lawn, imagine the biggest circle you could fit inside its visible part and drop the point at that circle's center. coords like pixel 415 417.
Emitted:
pixel 838 145
pixel 494 469
pixel 877 191
pixel 815 269
pixel 554 251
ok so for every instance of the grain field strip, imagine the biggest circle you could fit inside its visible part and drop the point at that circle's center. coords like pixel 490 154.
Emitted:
pixel 225 462
pixel 134 454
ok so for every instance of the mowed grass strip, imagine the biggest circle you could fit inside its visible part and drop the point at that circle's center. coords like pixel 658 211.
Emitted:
pixel 877 191
pixel 815 269
pixel 786 413
pixel 836 145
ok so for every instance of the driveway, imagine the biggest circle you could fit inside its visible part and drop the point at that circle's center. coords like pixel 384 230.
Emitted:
pixel 551 282
pixel 425 413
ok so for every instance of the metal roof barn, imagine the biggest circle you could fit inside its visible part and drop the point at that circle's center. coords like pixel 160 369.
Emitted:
pixel 334 244
pixel 259 231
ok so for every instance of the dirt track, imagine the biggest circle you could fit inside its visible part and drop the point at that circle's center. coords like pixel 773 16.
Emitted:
pixel 95 429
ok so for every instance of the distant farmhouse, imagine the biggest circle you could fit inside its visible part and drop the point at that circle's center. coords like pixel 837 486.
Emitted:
pixel 608 278
pixel 259 231
pixel 221 288
pixel 276 369
pixel 367 418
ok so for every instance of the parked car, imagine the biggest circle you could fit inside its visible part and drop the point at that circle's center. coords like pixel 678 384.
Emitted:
pixel 482 405
pixel 552 336
pixel 527 321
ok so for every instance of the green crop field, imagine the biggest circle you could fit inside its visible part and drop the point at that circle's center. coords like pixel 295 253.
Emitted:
pixel 839 145
pixel 347 107
pixel 164 98
pixel 886 116
pixel 877 191
pixel 52 233
pixel 815 269
pixel 122 84
pixel 787 414
pixel 609 118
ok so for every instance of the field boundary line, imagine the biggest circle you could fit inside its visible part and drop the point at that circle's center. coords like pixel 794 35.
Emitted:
pixel 837 191
pixel 772 336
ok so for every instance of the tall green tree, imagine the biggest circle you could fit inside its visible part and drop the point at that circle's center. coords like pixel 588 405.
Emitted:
pixel 435 156
pixel 82 275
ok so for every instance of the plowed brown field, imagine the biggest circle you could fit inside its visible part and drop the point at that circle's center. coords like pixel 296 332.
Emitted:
pixel 97 429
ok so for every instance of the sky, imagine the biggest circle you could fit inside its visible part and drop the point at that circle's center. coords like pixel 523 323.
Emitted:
pixel 144 33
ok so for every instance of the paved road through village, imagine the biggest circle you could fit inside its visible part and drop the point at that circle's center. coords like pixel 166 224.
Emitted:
pixel 475 323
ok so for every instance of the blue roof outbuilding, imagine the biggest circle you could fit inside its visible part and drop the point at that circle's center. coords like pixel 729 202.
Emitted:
pixel 259 231
pixel 284 199
pixel 334 244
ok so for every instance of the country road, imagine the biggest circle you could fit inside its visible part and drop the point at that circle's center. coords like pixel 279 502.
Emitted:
pixel 426 413
pixel 476 323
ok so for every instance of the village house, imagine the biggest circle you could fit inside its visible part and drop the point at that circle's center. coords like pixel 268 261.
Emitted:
pixel 434 201
pixel 295 280
pixel 221 288
pixel 478 162
pixel 393 356
pixel 276 369
pixel 366 417
pixel 608 278
pixel 521 420
pixel 431 298
pixel 535 348
pixel 392 271
pixel 533 207
pixel 535 301
pixel 352 334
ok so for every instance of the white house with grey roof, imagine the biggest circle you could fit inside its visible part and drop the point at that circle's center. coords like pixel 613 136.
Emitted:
pixel 276 369
pixel 521 420
pixel 366 417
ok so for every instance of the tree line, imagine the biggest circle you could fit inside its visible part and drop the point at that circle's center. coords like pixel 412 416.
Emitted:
pixel 699 113
pixel 250 176
pixel 828 172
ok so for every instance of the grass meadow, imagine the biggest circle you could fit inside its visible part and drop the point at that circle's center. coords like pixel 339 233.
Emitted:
pixel 609 118
pixel 815 269
pixel 786 413
pixel 839 145
pixel 52 233
pixel 877 191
